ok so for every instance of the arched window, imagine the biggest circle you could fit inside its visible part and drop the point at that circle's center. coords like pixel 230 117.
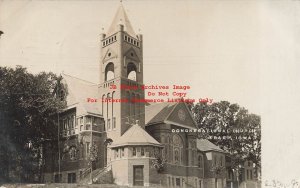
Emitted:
pixel 177 149
pixel 131 71
pixel 72 153
pixel 109 71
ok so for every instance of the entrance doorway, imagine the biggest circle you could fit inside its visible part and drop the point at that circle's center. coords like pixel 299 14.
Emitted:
pixel 71 177
pixel 138 175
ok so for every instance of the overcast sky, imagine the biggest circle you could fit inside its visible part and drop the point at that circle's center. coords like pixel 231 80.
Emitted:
pixel 246 52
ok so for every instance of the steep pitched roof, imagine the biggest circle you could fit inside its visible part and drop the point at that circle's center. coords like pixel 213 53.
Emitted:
pixel 135 135
pixel 167 112
pixel 158 112
pixel 205 145
pixel 78 92
pixel 121 18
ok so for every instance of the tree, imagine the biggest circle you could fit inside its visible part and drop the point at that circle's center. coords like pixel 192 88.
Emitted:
pixel 232 128
pixel 159 163
pixel 27 107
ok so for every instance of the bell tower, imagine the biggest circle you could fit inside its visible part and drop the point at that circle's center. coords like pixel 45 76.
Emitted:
pixel 121 65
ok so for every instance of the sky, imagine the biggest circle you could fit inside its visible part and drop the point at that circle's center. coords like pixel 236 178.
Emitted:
pixel 245 52
pixel 200 44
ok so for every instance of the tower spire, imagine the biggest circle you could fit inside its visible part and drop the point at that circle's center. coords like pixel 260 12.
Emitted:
pixel 121 18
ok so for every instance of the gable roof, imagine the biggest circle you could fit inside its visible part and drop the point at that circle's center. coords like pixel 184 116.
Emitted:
pixel 164 112
pixel 135 135
pixel 205 145
pixel 158 112
pixel 79 91
pixel 121 18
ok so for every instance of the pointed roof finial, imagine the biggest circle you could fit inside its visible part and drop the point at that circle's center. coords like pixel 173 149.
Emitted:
pixel 122 17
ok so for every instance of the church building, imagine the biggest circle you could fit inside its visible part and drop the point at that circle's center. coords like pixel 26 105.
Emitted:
pixel 127 143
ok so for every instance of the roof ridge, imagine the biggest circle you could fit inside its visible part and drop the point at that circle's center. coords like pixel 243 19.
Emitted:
pixel 79 79
pixel 157 103
pixel 142 134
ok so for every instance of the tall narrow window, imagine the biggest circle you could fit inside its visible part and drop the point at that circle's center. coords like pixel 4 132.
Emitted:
pixel 114 122
pixel 247 174
pixel 137 107
pixel 215 160
pixel 200 161
pixel 176 155
pixel 96 121
pixel 142 152
pixel 132 107
pixel 73 121
pixel 128 106
pixel 87 148
pixel 177 149
pixel 178 182
pixel 65 124
pixel 72 153
pixel 102 103
pixel 134 151
pixel 112 109
pixel 117 151
pixel 88 120
pixel 107 111
pixel 221 160
pixel 108 124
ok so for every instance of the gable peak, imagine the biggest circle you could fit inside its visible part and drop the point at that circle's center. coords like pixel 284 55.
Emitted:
pixel 121 18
